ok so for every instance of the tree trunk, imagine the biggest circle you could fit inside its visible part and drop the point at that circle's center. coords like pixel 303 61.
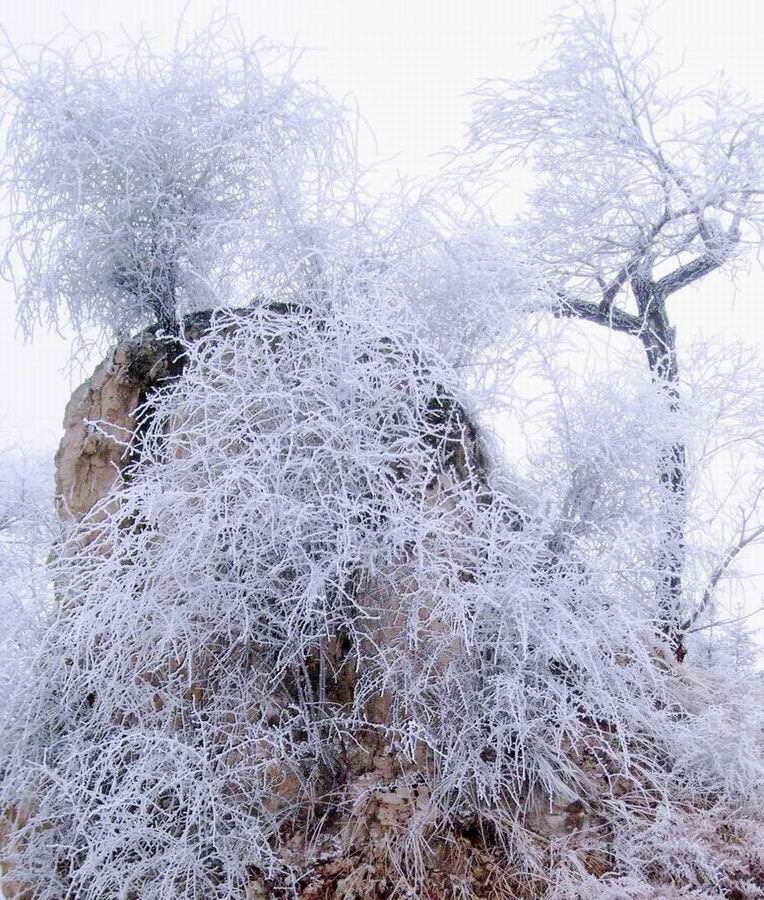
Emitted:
pixel 659 341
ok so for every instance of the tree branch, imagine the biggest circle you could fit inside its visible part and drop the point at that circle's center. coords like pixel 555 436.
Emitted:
pixel 613 317
pixel 719 244
pixel 688 273
pixel 718 574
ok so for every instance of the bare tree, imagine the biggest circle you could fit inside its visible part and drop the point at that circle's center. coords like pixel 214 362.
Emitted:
pixel 643 190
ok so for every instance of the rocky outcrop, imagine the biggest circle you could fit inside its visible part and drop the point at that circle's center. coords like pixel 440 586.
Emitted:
pixel 373 798
pixel 102 416
pixel 381 795
pixel 99 422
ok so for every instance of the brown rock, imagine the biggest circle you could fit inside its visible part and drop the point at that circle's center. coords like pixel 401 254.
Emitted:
pixel 100 419
pixel 99 422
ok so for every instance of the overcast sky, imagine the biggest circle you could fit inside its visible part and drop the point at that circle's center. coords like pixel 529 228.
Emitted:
pixel 409 65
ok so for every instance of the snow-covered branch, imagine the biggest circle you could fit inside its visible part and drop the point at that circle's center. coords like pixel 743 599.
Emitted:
pixel 142 184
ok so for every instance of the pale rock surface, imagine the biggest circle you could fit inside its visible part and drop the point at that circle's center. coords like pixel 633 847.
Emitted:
pixel 102 415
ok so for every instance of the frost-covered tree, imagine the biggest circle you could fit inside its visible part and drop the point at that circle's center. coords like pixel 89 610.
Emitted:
pixel 142 183
pixel 596 442
pixel 317 643
pixel 319 639
pixel 643 189
pixel 27 530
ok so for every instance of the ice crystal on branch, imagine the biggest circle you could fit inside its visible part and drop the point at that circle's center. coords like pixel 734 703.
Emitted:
pixel 641 191
pixel 316 640
pixel 27 529
pixel 633 173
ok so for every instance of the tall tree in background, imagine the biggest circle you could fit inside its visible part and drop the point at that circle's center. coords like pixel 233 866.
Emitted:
pixel 643 189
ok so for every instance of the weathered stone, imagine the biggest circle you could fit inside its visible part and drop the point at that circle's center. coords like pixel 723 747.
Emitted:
pixel 101 416
pixel 99 422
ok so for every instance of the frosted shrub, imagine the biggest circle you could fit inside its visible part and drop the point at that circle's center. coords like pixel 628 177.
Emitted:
pixel 27 529
pixel 315 623
pixel 136 179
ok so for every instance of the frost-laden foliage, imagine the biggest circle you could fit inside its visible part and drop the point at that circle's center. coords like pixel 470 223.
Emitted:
pixel 642 189
pixel 137 180
pixel 596 470
pixel 473 292
pixel 592 446
pixel 312 564
pixel 27 529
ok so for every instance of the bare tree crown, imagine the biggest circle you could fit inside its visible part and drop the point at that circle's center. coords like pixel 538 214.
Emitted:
pixel 636 179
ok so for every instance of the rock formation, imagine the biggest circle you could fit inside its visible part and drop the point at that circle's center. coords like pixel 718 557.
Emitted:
pixel 368 815
pixel 101 416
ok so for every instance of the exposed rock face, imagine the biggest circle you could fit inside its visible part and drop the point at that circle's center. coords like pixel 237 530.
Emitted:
pixel 102 415
pixel 99 421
